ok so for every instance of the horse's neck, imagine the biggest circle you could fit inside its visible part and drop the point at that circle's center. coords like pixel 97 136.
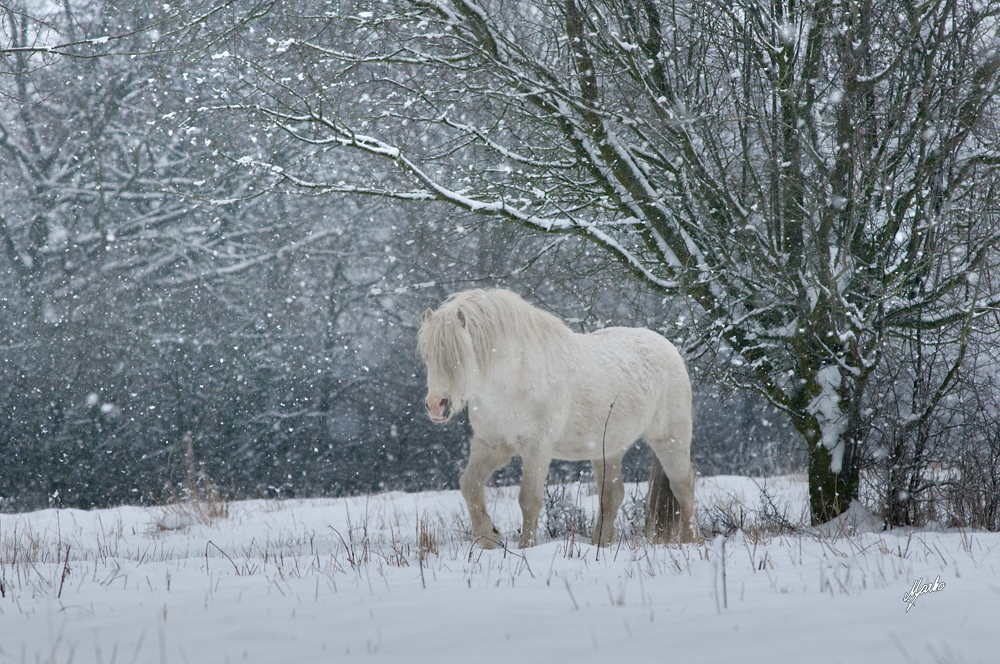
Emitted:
pixel 544 356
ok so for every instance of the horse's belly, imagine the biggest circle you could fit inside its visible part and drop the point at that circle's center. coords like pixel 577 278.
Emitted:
pixel 607 416
pixel 589 443
pixel 584 450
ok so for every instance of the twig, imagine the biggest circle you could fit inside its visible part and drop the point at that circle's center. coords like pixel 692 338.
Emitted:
pixel 604 478
pixel 211 543
pixel 725 597
pixel 575 605
pixel 65 573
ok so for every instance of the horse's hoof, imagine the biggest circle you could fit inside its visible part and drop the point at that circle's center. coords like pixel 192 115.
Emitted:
pixel 491 541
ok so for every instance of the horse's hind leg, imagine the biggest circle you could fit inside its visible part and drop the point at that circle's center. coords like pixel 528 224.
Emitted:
pixel 608 473
pixel 670 507
pixel 483 460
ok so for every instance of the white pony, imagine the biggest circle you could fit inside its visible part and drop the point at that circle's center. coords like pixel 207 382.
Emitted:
pixel 537 389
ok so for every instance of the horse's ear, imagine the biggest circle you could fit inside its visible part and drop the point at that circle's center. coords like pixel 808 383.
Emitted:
pixel 461 317
pixel 427 315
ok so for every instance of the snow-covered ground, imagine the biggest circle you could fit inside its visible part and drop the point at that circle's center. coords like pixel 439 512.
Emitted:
pixel 392 577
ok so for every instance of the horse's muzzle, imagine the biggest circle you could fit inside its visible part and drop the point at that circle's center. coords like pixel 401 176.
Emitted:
pixel 437 409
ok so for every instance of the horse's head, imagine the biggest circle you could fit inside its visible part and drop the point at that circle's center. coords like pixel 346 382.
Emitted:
pixel 445 345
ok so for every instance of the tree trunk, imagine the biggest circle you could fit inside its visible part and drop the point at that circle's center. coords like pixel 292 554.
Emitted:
pixel 829 419
pixel 831 493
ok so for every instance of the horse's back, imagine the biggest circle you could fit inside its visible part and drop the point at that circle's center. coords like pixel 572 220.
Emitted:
pixel 637 350
pixel 638 371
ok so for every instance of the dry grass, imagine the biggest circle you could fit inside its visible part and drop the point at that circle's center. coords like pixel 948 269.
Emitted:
pixel 427 538
pixel 767 518
pixel 199 501
pixel 201 506
pixel 566 518
pixel 384 537
pixel 564 514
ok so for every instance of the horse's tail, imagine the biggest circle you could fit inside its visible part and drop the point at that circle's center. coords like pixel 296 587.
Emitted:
pixel 663 513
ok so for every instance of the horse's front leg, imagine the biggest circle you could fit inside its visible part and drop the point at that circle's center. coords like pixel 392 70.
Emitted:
pixel 608 473
pixel 533 476
pixel 484 458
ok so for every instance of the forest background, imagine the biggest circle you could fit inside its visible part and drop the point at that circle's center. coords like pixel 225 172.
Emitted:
pixel 221 221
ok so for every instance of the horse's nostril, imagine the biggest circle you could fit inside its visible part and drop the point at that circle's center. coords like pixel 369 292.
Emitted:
pixel 441 405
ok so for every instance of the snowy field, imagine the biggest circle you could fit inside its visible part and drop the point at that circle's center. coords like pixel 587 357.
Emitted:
pixel 392 577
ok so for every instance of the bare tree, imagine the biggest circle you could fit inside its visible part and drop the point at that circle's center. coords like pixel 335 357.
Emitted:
pixel 816 178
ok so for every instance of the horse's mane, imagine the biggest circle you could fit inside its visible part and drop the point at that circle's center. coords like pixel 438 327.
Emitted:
pixel 483 324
